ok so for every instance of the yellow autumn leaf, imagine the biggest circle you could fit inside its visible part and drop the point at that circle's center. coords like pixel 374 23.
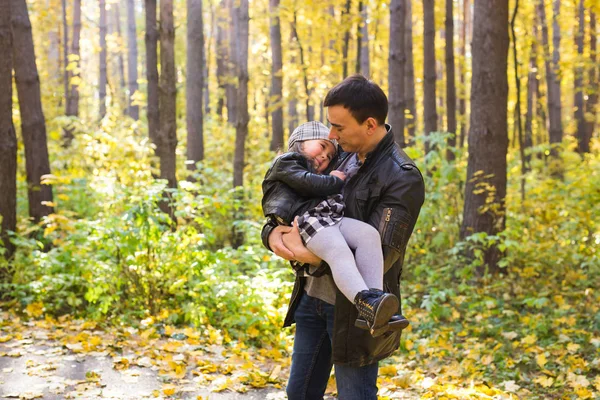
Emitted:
pixel 388 370
pixel 583 393
pixel 487 360
pixel 577 381
pixel 544 381
pixel 169 390
pixel 529 339
pixel 540 359
pixel 35 309
pixel 573 347
pixel 597 383
pixel 4 339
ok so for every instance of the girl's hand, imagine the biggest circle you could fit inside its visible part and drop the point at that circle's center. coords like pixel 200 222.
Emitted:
pixel 339 174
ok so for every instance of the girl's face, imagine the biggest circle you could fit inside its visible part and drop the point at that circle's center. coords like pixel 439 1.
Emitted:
pixel 320 151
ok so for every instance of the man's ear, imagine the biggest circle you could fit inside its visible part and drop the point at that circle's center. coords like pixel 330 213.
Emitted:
pixel 371 125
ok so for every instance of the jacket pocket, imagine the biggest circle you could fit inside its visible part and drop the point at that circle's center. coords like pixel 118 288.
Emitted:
pixel 394 228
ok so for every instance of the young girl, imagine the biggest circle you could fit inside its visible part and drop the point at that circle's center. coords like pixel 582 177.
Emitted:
pixel 296 185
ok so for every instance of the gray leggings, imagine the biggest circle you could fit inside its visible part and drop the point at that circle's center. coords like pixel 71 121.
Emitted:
pixel 352 273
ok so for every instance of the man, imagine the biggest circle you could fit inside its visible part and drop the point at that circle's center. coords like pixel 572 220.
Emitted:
pixel 383 188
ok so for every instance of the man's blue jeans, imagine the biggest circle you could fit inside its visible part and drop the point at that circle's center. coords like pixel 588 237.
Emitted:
pixel 311 359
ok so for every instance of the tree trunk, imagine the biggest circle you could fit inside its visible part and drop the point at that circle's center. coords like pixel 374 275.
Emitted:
pixel 485 191
pixel 33 125
pixel 450 81
pixel 531 96
pixel 151 40
pixel 276 100
pixel 365 67
pixel 592 84
pixel 8 141
pixel 579 105
pixel 120 61
pixel 462 103
pixel 552 80
pixel 222 41
pixel 74 61
pixel 409 73
pixel 102 77
pixel 292 111
pixel 194 83
pixel 167 139
pixel 346 44
pixel 310 111
pixel 429 73
pixel 241 28
pixel 65 51
pixel 517 123
pixel 132 61
pixel 231 83
pixel 396 63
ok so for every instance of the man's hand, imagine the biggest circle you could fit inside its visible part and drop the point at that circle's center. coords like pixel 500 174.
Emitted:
pixel 293 242
pixel 339 174
pixel 276 242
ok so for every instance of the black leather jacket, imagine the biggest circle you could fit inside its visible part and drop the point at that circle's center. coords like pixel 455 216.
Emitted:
pixel 290 188
pixel 387 192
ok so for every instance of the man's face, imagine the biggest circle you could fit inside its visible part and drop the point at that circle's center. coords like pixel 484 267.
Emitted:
pixel 351 135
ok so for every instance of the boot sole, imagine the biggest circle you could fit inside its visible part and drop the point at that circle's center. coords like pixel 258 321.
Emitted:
pixel 387 308
pixel 393 326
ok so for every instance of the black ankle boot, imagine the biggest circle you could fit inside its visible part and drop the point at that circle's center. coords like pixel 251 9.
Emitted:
pixel 377 308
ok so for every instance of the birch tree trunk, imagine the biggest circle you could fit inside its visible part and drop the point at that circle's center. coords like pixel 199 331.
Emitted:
pixel 8 141
pixel 151 40
pixel 531 95
pixel 450 80
pixel 194 83
pixel 396 62
pixel 132 61
pixel 102 77
pixel 409 73
pixel 33 124
pixel 485 191
pixel 276 99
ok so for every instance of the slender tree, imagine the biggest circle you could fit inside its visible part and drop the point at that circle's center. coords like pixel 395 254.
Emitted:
pixel 120 61
pixel 102 82
pixel 364 59
pixel 592 83
pixel 151 40
pixel 485 190
pixel 194 83
pixel 346 43
pixel 276 99
pixel 552 80
pixel 579 105
pixel 222 52
pixel 429 73
pixel 310 109
pixel 230 71
pixel 33 124
pixel 132 61
pixel 450 80
pixel 73 72
pixel 409 73
pixel 8 141
pixel 531 95
pixel 167 133
pixel 241 28
pixel 396 63
pixel 65 50
pixel 462 102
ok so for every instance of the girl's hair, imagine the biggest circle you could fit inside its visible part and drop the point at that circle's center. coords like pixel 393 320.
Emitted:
pixel 297 148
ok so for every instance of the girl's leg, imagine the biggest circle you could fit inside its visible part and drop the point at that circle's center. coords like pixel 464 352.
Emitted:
pixel 366 242
pixel 330 245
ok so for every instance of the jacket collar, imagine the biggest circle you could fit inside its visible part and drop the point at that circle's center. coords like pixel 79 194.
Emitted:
pixel 386 142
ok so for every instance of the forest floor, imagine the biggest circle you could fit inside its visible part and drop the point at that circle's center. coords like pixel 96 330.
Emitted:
pixel 53 359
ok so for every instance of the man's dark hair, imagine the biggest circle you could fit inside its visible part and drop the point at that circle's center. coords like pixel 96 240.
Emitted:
pixel 361 96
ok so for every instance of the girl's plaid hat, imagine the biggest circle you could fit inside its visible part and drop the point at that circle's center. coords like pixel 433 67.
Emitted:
pixel 313 130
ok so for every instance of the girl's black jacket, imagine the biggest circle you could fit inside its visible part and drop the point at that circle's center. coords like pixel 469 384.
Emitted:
pixel 290 188
pixel 387 192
